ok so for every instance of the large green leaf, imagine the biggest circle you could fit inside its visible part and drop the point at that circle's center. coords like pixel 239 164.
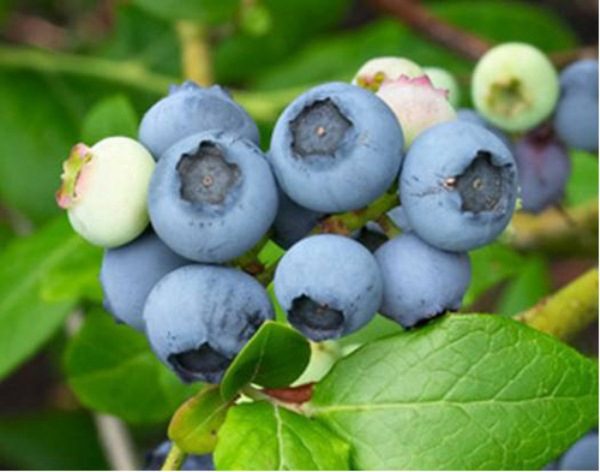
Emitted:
pixel 51 441
pixel 502 21
pixel 195 424
pixel 465 392
pixel 262 436
pixel 112 369
pixel 27 317
pixel 113 116
pixel 274 357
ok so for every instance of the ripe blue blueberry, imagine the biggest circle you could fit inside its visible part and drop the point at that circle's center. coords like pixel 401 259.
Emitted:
pixel 212 197
pixel 129 272
pixel 420 281
pixel 458 186
pixel 190 109
pixel 336 148
pixel 471 116
pixel 544 167
pixel 199 317
pixel 576 115
pixel 328 285
pixel 156 458
pixel 292 222
pixel 583 455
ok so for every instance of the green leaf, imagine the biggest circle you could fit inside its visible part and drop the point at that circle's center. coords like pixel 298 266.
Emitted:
pixel 490 265
pixel 274 357
pixel 51 441
pixel 27 319
pixel 508 21
pixel 583 183
pixel 111 368
pixel 262 436
pixel 113 116
pixel 210 11
pixel 465 392
pixel 36 133
pixel 530 285
pixel 195 424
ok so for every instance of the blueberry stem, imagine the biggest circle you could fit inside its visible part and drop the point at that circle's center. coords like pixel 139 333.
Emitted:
pixel 175 458
pixel 568 311
pixel 263 105
pixel 195 52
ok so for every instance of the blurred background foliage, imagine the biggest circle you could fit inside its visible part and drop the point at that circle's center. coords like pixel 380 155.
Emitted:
pixel 73 70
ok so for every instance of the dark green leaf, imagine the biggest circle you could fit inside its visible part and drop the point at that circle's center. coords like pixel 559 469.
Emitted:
pixel 195 424
pixel 27 318
pixel 112 369
pixel 51 441
pixel 490 265
pixel 36 134
pixel 464 392
pixel 262 436
pixel 113 116
pixel 502 21
pixel 530 285
pixel 274 357
pixel 211 11
pixel 583 183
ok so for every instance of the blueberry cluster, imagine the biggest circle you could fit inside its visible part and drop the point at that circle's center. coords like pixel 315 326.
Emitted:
pixel 178 208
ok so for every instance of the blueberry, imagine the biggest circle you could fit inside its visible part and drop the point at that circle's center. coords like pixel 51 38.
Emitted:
pixel 576 115
pixel 156 458
pixel 458 186
pixel 104 190
pixel 420 281
pixel 328 285
pixel 583 455
pixel 544 167
pixel 471 116
pixel 199 317
pixel 336 148
pixel 292 222
pixel 190 109
pixel 212 197
pixel 515 86
pixel 398 217
pixel 129 272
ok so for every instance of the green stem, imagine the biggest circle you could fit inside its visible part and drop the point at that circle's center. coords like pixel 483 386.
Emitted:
pixel 263 106
pixel 174 459
pixel 195 52
pixel 568 311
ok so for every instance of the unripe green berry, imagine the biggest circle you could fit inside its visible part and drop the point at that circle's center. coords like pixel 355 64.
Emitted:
pixel 515 86
pixel 417 104
pixel 375 71
pixel 104 190
pixel 442 79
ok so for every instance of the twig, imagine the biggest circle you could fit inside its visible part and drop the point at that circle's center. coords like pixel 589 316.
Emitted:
pixel 195 52
pixel 424 22
pixel 174 459
pixel 552 233
pixel 569 310
pixel 464 43
pixel 114 437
